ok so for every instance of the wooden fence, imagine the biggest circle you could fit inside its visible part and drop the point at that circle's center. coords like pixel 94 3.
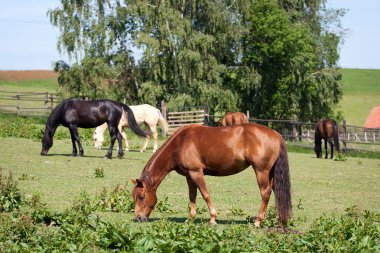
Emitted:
pixel 28 103
pixel 302 133
pixel 185 116
pixel 351 137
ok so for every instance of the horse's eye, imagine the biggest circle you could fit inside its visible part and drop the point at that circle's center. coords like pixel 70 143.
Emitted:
pixel 141 197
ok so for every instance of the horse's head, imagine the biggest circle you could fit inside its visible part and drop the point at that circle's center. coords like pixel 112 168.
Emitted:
pixel 98 138
pixel 145 200
pixel 318 150
pixel 47 142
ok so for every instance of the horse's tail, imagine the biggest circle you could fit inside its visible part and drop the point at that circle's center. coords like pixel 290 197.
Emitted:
pixel 162 122
pixel 282 186
pixel 132 124
pixel 336 137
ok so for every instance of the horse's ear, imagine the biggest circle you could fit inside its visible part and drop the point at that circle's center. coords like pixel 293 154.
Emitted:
pixel 137 182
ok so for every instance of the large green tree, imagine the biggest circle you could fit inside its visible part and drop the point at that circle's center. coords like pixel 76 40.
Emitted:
pixel 296 59
pixel 276 58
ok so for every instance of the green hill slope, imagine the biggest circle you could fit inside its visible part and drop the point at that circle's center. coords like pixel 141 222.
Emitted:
pixel 361 92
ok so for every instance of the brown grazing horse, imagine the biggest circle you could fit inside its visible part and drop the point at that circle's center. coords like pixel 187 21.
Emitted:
pixel 234 118
pixel 328 131
pixel 195 151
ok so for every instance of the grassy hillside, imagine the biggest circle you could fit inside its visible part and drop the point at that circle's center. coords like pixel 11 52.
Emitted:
pixel 361 92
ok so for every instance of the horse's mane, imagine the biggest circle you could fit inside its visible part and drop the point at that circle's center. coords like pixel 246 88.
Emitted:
pixel 145 174
pixel 55 114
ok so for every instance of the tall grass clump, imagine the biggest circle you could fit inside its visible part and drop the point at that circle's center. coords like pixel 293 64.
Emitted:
pixel 10 195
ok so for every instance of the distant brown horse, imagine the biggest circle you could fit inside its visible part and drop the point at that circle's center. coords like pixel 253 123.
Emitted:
pixel 195 151
pixel 328 131
pixel 234 118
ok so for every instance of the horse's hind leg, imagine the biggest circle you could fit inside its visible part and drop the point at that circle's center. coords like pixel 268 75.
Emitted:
pixel 198 179
pixel 155 138
pixel 120 152
pixel 124 136
pixel 146 139
pixel 114 133
pixel 75 138
pixel 264 183
pixel 331 148
pixel 192 197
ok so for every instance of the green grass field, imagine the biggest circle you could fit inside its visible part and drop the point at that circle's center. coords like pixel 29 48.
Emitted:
pixel 319 186
pixel 322 191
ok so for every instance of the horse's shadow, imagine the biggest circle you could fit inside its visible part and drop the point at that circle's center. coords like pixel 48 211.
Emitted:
pixel 78 156
pixel 182 220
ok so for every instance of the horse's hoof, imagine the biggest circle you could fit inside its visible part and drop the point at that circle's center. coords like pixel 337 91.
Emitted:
pixel 212 222
pixel 257 224
pixel 107 157
pixel 74 154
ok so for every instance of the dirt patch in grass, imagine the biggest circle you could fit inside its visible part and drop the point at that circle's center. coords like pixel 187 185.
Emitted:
pixel 18 75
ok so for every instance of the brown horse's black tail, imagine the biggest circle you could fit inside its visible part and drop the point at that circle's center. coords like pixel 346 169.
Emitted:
pixel 132 124
pixel 282 186
pixel 336 137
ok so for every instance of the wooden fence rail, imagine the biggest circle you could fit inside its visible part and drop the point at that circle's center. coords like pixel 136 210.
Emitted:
pixel 28 103
pixel 351 137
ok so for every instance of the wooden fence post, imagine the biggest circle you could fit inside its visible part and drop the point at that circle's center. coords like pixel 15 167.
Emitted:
pixel 206 120
pixel 18 104
pixel 163 112
pixel 294 130
pixel 344 127
pixel 51 102
pixel 46 101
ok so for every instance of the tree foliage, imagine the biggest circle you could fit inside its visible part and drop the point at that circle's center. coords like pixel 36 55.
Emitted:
pixel 276 58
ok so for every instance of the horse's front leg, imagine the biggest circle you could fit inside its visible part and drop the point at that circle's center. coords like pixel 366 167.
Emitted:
pixel 198 178
pixel 326 149
pixel 192 197
pixel 75 138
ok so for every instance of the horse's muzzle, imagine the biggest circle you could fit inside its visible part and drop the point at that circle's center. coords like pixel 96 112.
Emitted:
pixel 141 219
pixel 44 152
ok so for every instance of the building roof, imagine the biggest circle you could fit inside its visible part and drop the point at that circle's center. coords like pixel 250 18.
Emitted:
pixel 373 120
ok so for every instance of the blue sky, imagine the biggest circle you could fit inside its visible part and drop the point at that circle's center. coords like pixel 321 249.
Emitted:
pixel 28 41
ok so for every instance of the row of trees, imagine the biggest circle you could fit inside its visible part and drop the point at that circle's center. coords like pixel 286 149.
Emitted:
pixel 275 58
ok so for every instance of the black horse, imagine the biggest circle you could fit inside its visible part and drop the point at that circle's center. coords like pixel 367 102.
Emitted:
pixel 327 130
pixel 74 113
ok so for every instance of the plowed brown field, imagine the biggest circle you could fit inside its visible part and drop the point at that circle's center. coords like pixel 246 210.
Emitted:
pixel 18 75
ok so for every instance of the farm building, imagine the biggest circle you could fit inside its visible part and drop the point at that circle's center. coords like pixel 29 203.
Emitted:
pixel 373 120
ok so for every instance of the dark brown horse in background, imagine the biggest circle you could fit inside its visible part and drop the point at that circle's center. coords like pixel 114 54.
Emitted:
pixel 329 132
pixel 234 118
pixel 195 151
pixel 74 113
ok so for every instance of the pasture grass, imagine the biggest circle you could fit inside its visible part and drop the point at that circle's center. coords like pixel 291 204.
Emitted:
pixel 33 85
pixel 319 187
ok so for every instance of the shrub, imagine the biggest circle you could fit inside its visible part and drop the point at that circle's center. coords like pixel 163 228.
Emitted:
pixel 10 196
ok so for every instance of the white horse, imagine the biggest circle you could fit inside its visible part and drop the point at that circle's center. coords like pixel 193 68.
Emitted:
pixel 144 114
